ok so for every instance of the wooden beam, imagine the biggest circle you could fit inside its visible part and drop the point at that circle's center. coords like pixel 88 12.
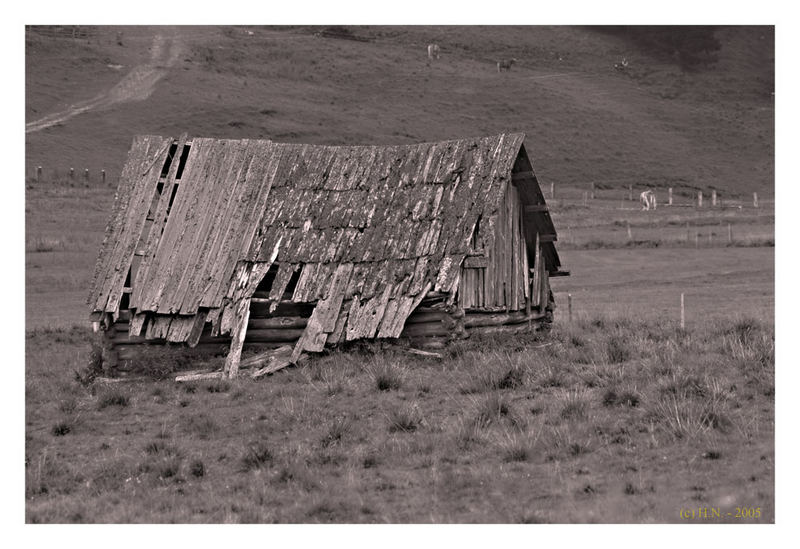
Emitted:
pixel 559 273
pixel 231 369
pixel 532 208
pixel 548 238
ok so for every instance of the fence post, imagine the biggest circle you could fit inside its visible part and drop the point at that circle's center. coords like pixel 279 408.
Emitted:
pixel 697 239
pixel 713 198
pixel 584 199
pixel 569 307
pixel 670 196
pixel 72 173
pixel 730 234
pixel 630 193
pixel 86 176
pixel 755 200
pixel 592 197
pixel 103 177
pixel 699 199
pixel 688 232
pixel 683 314
pixel 552 190
pixel 630 235
pixel 38 174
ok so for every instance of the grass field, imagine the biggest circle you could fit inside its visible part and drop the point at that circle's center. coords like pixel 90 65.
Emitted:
pixel 602 421
pixel 619 416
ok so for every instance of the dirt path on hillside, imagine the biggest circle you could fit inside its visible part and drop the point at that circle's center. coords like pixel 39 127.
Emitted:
pixel 137 85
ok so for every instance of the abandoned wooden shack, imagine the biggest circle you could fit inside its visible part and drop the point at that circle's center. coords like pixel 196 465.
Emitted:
pixel 223 245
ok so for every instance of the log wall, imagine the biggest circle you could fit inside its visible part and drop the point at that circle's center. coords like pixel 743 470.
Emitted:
pixel 433 324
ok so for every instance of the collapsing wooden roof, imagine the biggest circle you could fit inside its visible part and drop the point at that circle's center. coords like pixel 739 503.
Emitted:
pixel 375 226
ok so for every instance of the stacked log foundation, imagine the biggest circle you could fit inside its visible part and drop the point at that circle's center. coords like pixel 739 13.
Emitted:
pixel 433 324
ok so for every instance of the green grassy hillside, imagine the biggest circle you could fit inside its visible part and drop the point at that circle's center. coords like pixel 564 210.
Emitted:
pixel 653 124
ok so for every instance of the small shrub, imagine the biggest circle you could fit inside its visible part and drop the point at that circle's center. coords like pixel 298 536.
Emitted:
pixel 370 460
pixel 256 455
pixel 625 398
pixel 688 417
pixel 169 468
pixel 575 406
pixel 112 398
pixel 405 418
pixel 577 449
pixel 387 376
pixel 338 428
pixel 60 429
pixel 512 379
pixel 617 349
pixel 516 448
pixel 492 409
pixel 197 468
pixel 467 434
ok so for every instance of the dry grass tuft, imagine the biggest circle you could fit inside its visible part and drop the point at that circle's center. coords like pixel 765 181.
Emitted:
pixel 406 419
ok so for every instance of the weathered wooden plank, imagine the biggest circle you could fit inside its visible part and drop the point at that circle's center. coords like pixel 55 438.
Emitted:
pixel 473 320
pixel 227 247
pixel 323 319
pixel 206 223
pixel 149 242
pixel 506 328
pixel 263 335
pixel 198 376
pixel 537 273
pixel 231 368
pixel 341 322
pixel 392 327
pixel 131 173
pixel 158 327
pixel 306 279
pixel 129 234
pixel 449 271
pixel 260 359
pixel 179 328
pixel 195 286
pixel 275 322
pixel 282 278
pixel 211 161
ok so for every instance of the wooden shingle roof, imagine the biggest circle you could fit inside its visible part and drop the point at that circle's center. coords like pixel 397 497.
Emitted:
pixel 379 225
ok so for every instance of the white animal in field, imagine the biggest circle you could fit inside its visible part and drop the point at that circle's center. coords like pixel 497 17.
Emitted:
pixel 433 51
pixel 622 65
pixel 648 199
pixel 505 64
